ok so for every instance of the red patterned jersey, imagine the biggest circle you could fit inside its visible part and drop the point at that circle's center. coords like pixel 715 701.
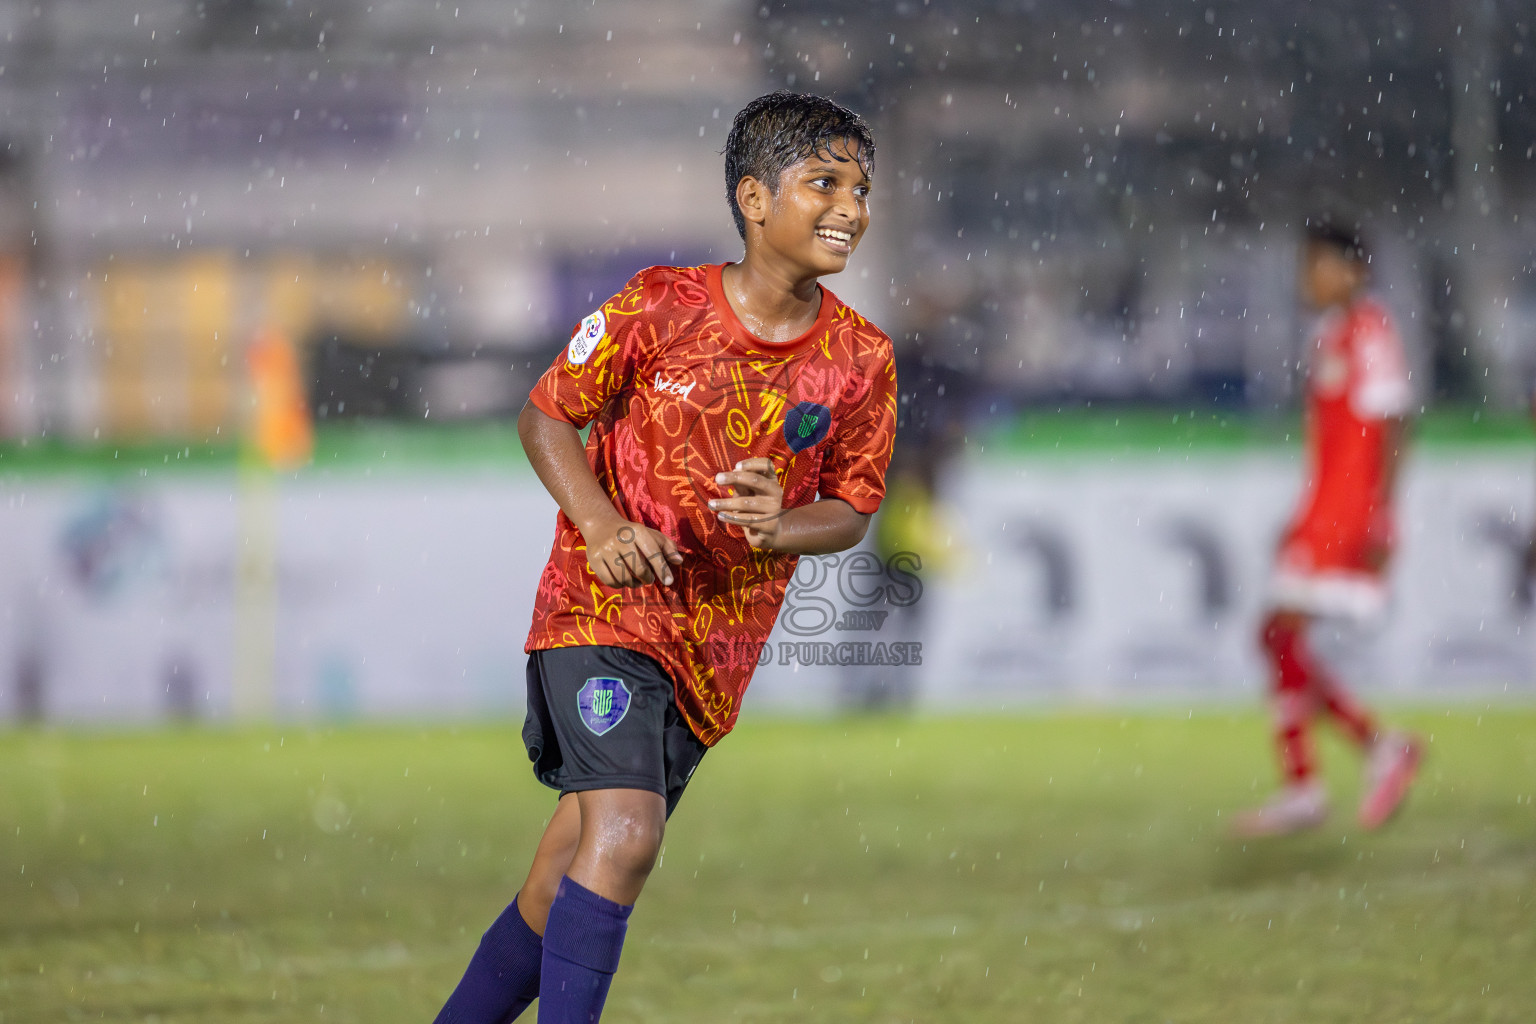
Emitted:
pixel 677 390
pixel 1357 381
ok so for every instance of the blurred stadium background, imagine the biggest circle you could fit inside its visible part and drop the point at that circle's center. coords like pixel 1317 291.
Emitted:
pixel 276 276
pixel 1086 228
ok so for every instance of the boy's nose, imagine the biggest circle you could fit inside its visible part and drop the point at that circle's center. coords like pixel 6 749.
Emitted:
pixel 845 203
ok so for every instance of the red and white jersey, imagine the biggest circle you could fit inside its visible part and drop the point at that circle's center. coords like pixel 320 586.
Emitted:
pixel 676 390
pixel 1357 382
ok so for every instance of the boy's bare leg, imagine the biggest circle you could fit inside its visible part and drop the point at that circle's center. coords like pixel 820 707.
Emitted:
pixel 584 927
pixel 550 861
pixel 613 858
pixel 621 832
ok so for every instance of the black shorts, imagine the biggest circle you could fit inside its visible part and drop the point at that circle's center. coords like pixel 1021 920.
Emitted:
pixel 604 718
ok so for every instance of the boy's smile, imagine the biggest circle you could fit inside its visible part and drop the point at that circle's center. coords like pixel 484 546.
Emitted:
pixel 837 240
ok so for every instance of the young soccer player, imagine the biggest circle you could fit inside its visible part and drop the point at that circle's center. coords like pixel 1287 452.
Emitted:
pixel 1334 554
pixel 740 416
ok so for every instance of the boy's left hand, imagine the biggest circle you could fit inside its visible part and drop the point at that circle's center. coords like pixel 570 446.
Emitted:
pixel 758 502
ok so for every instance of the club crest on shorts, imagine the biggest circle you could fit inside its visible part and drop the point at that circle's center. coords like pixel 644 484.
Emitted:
pixel 591 333
pixel 603 703
pixel 806 425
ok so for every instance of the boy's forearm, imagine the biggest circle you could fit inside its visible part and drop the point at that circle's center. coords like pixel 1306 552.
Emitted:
pixel 555 451
pixel 820 528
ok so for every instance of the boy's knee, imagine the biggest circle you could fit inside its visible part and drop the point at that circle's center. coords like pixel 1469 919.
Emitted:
pixel 621 832
pixel 628 840
pixel 635 844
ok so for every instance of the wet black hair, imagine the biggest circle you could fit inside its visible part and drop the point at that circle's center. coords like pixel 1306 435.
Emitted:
pixel 1346 240
pixel 775 130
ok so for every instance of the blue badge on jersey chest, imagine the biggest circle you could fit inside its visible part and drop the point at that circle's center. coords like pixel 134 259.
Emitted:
pixel 603 703
pixel 806 425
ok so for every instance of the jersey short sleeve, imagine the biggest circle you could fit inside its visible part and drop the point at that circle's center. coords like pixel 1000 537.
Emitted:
pixel 1381 388
pixel 855 464
pixel 598 362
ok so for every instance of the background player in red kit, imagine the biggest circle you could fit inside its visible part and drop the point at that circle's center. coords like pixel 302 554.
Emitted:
pixel 740 416
pixel 1334 554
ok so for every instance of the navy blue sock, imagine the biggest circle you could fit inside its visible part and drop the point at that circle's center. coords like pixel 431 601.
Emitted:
pixel 502 977
pixel 582 943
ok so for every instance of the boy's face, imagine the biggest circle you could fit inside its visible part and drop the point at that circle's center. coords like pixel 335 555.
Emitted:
pixel 820 209
pixel 1328 277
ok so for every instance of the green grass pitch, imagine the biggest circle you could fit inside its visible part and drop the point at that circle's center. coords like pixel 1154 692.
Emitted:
pixel 1063 867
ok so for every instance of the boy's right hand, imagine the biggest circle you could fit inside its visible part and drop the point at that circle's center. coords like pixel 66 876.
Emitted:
pixel 625 554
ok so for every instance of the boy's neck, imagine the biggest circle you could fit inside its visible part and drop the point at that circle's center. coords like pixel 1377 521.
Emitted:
pixel 773 304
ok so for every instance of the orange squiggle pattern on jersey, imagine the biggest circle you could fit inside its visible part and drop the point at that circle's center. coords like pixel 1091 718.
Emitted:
pixel 677 391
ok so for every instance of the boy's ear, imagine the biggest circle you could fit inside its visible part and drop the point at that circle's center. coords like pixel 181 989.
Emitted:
pixel 753 197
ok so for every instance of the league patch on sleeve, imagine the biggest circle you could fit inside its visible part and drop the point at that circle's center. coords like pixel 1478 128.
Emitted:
pixel 588 338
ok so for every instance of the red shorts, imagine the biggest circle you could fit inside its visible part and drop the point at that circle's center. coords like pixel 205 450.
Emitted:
pixel 1333 566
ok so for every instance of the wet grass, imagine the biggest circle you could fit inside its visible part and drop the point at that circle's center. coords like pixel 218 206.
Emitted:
pixel 1066 867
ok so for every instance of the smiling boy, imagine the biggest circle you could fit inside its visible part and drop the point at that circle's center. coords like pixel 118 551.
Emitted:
pixel 740 416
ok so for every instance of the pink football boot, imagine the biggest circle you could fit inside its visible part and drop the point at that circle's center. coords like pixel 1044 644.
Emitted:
pixel 1389 771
